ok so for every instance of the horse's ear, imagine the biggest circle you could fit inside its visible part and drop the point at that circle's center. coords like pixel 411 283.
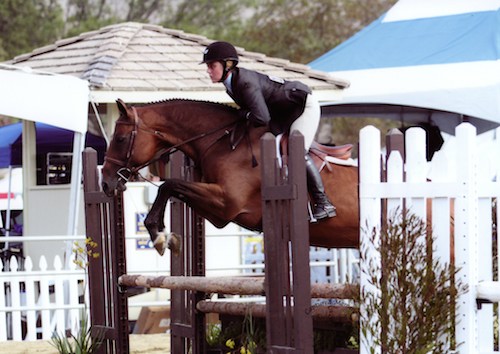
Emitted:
pixel 122 106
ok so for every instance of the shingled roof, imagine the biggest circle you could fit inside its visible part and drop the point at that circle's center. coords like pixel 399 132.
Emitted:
pixel 142 62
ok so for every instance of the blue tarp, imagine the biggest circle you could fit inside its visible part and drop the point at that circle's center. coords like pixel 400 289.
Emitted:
pixel 426 41
pixel 48 139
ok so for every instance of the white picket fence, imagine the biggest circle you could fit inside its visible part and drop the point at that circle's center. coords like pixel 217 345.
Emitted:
pixel 456 175
pixel 328 265
pixel 36 303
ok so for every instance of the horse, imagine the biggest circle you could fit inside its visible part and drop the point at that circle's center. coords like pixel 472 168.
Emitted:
pixel 226 153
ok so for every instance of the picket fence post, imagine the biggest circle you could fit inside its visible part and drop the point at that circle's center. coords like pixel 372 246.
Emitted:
pixel 370 208
pixel 466 231
pixel 30 302
pixel 15 301
pixel 3 315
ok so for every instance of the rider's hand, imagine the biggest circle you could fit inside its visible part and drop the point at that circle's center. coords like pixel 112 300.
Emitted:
pixel 244 114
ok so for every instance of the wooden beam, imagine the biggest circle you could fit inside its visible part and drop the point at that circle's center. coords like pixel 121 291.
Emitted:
pixel 334 313
pixel 232 285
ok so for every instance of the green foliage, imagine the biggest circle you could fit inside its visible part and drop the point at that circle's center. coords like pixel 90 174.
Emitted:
pixel 87 340
pixel 213 335
pixel 414 309
pixel 87 15
pixel 297 30
pixel 245 337
pixel 338 335
pixel 26 25
pixel 345 130
pixel 217 19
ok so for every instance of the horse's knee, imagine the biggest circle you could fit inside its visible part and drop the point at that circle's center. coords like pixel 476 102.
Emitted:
pixel 150 223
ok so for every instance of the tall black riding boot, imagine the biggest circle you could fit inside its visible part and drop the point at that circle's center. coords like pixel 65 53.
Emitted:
pixel 322 207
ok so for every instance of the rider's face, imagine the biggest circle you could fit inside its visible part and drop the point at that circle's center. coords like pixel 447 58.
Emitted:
pixel 215 70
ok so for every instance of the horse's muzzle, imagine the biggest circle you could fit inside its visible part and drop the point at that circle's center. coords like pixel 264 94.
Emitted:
pixel 111 189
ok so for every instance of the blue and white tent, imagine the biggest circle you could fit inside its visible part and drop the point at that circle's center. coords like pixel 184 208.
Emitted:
pixel 434 61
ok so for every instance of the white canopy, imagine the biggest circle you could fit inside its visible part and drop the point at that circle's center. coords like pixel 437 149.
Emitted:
pixel 435 56
pixel 58 100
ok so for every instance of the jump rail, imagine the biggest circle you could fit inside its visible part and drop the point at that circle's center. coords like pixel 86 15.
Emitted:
pixel 337 314
pixel 231 285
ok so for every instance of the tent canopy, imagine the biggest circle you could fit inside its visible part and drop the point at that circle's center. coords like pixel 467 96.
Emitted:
pixel 58 100
pixel 439 59
pixel 48 139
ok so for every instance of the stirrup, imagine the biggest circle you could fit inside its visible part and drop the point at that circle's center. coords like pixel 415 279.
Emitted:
pixel 324 211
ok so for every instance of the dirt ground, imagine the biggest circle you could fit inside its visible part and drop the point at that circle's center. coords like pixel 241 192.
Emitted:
pixel 139 343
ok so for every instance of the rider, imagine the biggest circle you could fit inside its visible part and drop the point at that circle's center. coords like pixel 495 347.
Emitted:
pixel 267 100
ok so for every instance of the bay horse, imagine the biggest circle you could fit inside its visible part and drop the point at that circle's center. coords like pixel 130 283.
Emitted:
pixel 230 186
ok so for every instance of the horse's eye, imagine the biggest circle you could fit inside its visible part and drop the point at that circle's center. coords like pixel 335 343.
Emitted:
pixel 120 139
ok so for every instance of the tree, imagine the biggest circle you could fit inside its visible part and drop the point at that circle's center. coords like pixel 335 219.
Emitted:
pixel 302 30
pixel 216 19
pixel 26 25
pixel 145 10
pixel 87 15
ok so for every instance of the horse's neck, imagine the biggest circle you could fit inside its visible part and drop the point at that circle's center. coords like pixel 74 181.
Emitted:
pixel 187 123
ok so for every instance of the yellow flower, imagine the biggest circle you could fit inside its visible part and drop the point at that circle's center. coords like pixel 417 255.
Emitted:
pixel 230 343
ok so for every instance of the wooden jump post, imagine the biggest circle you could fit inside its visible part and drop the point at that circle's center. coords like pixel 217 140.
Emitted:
pixel 105 226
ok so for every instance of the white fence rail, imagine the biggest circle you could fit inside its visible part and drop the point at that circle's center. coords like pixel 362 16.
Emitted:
pixel 456 176
pixel 36 303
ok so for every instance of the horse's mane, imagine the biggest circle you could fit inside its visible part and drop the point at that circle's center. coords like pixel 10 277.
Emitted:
pixel 217 105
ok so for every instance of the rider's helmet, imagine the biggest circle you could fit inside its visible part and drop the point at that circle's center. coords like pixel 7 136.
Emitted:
pixel 220 51
pixel 224 52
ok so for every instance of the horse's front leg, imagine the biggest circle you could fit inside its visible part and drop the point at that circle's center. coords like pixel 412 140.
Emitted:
pixel 154 221
pixel 205 198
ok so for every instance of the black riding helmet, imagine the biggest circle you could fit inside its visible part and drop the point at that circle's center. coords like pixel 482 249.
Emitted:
pixel 223 52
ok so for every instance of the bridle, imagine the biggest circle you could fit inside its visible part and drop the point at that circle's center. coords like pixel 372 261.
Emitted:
pixel 127 170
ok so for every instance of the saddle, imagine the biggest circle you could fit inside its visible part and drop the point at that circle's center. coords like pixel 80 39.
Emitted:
pixel 324 155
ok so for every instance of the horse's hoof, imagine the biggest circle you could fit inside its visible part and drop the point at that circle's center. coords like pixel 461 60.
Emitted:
pixel 159 243
pixel 174 243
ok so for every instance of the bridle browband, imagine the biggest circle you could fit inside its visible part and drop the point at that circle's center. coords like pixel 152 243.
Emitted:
pixel 138 124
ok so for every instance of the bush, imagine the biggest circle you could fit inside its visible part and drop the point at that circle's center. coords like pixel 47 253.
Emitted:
pixel 414 311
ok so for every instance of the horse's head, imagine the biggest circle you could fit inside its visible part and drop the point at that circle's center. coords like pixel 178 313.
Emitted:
pixel 123 157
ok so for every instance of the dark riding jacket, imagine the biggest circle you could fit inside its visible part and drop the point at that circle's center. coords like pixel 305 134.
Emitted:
pixel 267 100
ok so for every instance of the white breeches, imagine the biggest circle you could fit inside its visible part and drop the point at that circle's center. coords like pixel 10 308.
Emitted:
pixel 307 124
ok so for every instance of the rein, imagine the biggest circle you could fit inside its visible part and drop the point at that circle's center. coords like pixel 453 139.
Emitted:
pixel 126 168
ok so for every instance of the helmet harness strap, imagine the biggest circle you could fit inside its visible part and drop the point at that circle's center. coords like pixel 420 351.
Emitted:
pixel 227 69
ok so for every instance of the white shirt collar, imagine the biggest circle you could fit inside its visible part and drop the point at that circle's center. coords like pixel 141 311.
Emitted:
pixel 227 82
